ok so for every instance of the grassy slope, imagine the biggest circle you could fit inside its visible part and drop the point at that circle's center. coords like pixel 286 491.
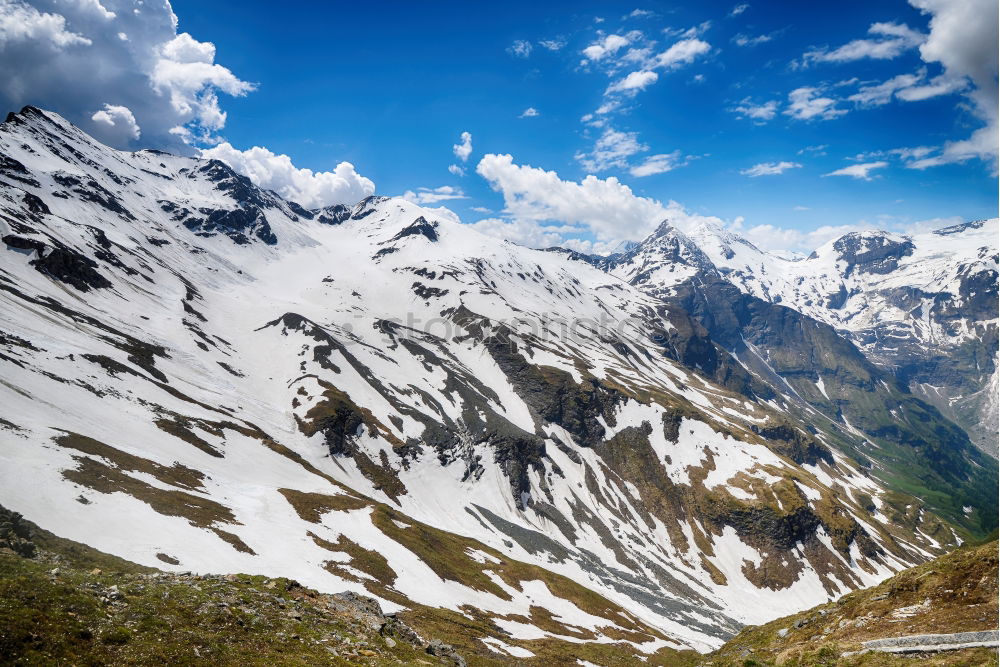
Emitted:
pixel 76 605
pixel 69 618
pixel 75 616
pixel 61 607
pixel 954 593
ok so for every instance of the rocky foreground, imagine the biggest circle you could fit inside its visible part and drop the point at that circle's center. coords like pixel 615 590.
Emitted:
pixel 920 616
pixel 63 602
pixel 501 443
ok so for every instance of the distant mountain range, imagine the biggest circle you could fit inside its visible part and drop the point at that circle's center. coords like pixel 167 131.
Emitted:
pixel 647 450
pixel 922 307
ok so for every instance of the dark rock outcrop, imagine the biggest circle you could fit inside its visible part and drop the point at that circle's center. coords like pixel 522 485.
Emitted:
pixel 60 263
pixel 872 253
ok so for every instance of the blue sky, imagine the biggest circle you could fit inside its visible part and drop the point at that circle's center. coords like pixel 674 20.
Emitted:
pixel 742 112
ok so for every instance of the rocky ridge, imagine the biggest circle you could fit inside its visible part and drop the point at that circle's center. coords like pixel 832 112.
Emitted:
pixel 377 399
pixel 922 308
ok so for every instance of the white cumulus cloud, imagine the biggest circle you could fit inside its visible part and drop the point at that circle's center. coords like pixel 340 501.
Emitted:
pixel 963 39
pixel 681 53
pixel 607 46
pixel 20 22
pixel 522 232
pixel 769 168
pixel 188 77
pixel 606 207
pixel 760 113
pixel 594 215
pixel 785 240
pixel 530 112
pixel 75 57
pixel 116 125
pixel 808 103
pixel 463 149
pixel 311 189
pixel 612 149
pixel 633 83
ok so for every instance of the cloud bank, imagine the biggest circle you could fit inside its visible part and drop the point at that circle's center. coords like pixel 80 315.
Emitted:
pixel 117 68
pixel 312 189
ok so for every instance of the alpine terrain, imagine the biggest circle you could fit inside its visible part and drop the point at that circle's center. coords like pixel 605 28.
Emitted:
pixel 535 456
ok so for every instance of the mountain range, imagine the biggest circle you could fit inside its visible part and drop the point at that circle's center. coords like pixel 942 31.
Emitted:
pixel 647 450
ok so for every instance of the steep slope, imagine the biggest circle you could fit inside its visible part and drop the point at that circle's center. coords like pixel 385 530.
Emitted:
pixel 922 307
pixel 817 373
pixel 198 375
pixel 61 601
pixel 956 593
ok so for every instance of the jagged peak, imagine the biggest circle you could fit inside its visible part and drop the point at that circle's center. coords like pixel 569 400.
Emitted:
pixel 665 233
pixel 367 206
pixel 332 215
pixel 42 120
pixel 668 235
pixel 27 114
pixel 419 227
pixel 663 229
pixel 704 239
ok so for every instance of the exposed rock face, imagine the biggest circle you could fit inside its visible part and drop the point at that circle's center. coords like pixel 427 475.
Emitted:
pixel 15 534
pixel 808 363
pixel 238 224
pixel 333 215
pixel 872 253
pixel 420 227
pixel 921 308
pixel 798 446
pixel 375 398
pixel 63 264
pixel 72 268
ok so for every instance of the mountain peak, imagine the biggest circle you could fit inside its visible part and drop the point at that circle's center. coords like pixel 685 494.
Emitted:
pixel 401 375
pixel 25 114
pixel 419 227
pixel 41 120
pixel 663 229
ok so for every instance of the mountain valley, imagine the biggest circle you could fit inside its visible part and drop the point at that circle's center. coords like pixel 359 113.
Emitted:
pixel 629 457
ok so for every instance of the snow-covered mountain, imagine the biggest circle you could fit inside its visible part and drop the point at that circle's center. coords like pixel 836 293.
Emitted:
pixel 199 375
pixel 923 307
